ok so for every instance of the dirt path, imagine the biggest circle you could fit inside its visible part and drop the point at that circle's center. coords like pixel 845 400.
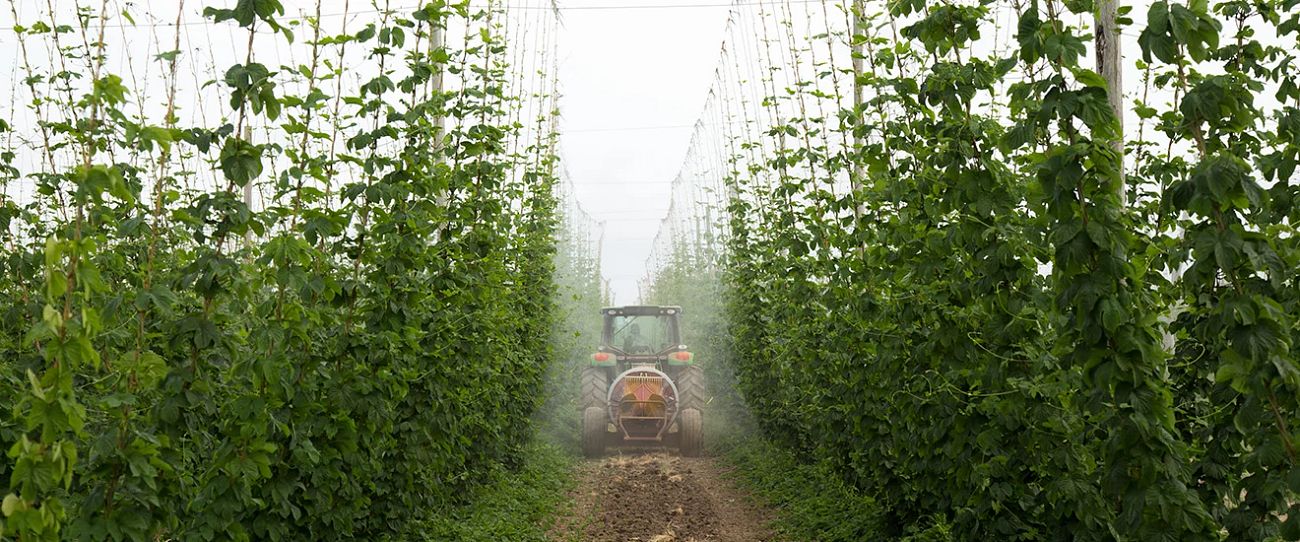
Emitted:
pixel 658 497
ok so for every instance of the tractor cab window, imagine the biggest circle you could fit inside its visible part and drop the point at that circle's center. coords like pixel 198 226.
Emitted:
pixel 641 334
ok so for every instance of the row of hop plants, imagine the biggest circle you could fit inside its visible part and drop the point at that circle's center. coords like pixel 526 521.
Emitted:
pixel 992 308
pixel 683 270
pixel 580 293
pixel 178 364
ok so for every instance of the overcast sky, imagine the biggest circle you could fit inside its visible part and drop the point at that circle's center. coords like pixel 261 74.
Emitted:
pixel 633 81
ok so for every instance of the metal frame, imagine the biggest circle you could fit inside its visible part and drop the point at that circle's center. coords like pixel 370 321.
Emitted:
pixel 670 406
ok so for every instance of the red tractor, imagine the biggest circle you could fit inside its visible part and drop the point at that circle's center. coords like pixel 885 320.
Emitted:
pixel 642 387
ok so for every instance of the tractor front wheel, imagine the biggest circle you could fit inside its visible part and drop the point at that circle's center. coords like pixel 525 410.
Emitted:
pixel 593 432
pixel 691 425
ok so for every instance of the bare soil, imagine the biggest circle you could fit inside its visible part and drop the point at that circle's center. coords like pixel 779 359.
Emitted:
pixel 658 497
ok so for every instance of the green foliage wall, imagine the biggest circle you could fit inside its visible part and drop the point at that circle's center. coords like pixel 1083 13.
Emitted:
pixel 177 364
pixel 958 293
pixel 578 297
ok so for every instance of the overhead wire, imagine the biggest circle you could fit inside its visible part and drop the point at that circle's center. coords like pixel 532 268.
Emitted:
pixel 8 25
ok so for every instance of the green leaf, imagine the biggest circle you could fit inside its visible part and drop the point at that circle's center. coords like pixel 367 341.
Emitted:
pixel 1088 78
pixel 241 161
pixel 366 34
pixel 11 505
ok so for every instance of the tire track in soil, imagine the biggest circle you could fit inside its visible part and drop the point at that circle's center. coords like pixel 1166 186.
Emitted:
pixel 658 497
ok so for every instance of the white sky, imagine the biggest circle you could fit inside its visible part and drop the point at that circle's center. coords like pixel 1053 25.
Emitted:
pixel 633 81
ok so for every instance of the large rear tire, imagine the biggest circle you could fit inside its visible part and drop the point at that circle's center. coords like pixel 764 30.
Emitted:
pixel 691 425
pixel 593 432
pixel 595 387
pixel 690 388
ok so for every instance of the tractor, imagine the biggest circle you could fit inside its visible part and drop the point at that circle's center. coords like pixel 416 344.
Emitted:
pixel 642 387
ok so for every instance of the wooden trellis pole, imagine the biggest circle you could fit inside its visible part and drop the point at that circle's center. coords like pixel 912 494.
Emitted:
pixel 1108 65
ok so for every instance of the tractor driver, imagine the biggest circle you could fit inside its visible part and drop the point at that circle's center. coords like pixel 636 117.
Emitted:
pixel 634 342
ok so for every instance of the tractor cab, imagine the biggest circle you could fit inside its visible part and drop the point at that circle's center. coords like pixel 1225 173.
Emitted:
pixel 641 335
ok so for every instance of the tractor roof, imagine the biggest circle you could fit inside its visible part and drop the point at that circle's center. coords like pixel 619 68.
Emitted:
pixel 642 310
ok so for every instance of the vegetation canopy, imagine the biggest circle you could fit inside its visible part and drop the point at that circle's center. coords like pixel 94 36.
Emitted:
pixel 959 285
pixel 303 291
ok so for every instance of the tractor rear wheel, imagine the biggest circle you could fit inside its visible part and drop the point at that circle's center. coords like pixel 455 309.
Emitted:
pixel 691 425
pixel 593 432
pixel 595 387
pixel 690 387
